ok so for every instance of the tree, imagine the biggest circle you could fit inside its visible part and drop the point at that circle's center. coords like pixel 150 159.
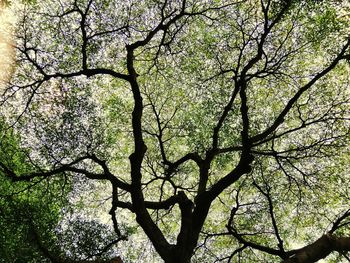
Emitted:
pixel 221 127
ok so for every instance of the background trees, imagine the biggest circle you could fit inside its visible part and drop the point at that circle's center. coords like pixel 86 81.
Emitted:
pixel 219 129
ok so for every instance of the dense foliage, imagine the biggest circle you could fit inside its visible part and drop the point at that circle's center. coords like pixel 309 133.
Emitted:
pixel 206 131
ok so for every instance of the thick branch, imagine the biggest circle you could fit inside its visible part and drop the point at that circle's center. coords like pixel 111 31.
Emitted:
pixel 66 168
pixel 320 249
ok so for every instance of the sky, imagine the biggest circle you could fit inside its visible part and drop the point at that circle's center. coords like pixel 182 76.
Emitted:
pixel 7 19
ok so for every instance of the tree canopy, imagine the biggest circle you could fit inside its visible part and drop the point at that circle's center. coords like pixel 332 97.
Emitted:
pixel 177 131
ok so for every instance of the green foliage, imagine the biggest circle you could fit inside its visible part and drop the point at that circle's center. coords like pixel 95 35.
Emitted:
pixel 27 209
pixel 81 238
